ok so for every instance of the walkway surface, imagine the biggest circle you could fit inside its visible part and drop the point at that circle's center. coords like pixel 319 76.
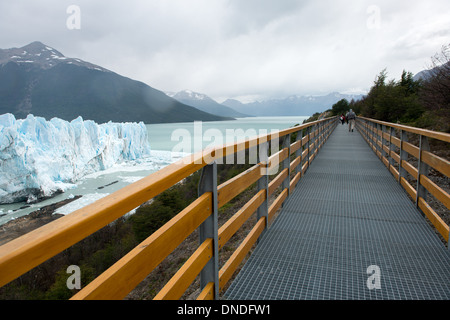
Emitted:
pixel 346 214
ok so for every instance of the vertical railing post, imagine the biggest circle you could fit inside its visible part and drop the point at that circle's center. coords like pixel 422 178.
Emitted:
pixel 375 138
pixel 403 156
pixel 316 134
pixel 319 133
pixel 332 126
pixel 370 133
pixel 287 162
pixel 209 228
pixel 391 147
pixel 328 124
pixel 299 151
pixel 366 128
pixel 422 169
pixel 362 128
pixel 309 147
pixel 263 182
pixel 367 124
pixel 366 131
pixel 379 141
pixel 383 142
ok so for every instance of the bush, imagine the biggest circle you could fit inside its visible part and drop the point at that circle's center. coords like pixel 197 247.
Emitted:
pixel 150 218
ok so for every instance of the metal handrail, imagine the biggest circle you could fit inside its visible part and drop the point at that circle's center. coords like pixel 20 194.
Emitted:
pixel 382 138
pixel 23 254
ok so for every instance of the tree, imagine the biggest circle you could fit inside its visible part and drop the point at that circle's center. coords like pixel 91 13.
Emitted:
pixel 409 85
pixel 340 107
pixel 392 101
pixel 435 93
pixel 368 106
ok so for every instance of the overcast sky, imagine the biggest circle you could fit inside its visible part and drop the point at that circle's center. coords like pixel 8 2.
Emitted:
pixel 247 49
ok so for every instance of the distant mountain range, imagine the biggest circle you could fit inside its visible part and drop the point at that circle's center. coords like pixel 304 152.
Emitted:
pixel 290 106
pixel 203 102
pixel 40 80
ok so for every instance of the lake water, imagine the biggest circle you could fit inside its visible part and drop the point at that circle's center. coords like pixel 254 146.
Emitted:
pixel 169 142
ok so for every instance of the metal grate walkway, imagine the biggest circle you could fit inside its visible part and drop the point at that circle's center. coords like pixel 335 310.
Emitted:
pixel 347 213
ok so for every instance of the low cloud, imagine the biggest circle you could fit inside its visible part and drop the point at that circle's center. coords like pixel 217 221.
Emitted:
pixel 239 48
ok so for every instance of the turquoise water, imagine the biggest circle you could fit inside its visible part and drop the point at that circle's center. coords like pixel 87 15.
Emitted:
pixel 168 142
pixel 168 136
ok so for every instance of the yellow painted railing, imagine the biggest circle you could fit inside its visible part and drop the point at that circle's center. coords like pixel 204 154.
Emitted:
pixel 25 253
pixel 390 142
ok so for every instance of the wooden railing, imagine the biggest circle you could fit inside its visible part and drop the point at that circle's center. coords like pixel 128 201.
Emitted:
pixel 25 253
pixel 390 142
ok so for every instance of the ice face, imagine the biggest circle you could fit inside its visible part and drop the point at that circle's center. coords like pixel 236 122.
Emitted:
pixel 40 157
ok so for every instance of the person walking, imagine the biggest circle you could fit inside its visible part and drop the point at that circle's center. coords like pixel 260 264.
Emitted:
pixel 342 118
pixel 351 117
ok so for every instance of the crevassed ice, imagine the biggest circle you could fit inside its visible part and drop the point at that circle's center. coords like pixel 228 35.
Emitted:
pixel 40 157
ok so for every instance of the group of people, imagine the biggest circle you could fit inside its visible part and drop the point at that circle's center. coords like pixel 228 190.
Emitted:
pixel 349 118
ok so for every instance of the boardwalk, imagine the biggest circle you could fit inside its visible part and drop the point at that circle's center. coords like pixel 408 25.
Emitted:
pixel 346 214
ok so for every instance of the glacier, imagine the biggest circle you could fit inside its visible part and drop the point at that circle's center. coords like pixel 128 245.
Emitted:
pixel 39 158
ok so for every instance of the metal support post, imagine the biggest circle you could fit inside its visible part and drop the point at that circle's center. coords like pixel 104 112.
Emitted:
pixel 263 182
pixel 287 162
pixel 380 140
pixel 383 141
pixel 375 138
pixel 366 131
pixel 391 147
pixel 403 156
pixel 316 128
pixel 309 147
pixel 209 228
pixel 298 153
pixel 422 169
pixel 318 136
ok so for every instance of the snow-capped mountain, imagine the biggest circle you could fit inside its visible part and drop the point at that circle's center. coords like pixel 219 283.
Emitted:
pixel 38 79
pixel 205 103
pixel 188 94
pixel 294 105
pixel 37 54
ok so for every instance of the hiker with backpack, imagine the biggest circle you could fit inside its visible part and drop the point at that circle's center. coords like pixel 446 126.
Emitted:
pixel 351 117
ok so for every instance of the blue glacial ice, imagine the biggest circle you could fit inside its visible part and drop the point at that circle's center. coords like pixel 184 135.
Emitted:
pixel 39 158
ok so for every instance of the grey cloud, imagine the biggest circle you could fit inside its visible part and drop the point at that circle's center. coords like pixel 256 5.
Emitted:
pixel 230 48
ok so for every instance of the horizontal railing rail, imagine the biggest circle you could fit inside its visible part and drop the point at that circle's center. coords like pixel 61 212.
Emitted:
pixel 25 253
pixel 392 145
